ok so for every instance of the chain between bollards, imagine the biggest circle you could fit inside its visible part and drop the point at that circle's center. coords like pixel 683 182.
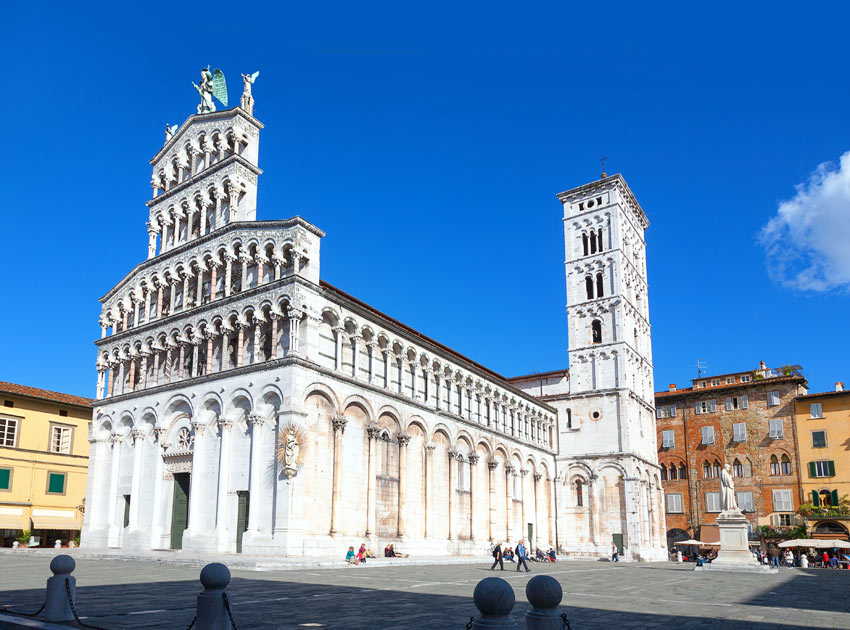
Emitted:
pixel 469 623
pixel 192 625
pixel 229 613
pixel 566 621
pixel 23 614
pixel 74 608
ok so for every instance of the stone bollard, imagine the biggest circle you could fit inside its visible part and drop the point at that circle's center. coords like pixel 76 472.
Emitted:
pixel 16 545
pixel 212 614
pixel 56 604
pixel 494 598
pixel 57 544
pixel 544 593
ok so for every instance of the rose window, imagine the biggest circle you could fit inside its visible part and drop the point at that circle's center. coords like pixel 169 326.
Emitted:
pixel 184 439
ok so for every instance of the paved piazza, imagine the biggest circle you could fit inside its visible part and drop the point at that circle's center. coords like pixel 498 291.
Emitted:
pixel 116 594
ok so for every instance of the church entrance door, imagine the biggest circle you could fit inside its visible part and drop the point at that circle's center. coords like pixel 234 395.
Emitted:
pixel 618 540
pixel 241 518
pixel 179 509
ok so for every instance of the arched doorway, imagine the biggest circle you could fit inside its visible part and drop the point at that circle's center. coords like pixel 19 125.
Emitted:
pixel 830 529
pixel 675 535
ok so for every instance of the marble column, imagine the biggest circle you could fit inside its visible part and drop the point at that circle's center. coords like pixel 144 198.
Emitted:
pixel 492 465
pixel 403 441
pixel 338 348
pixel 537 478
pixel 473 493
pixel 228 272
pixel 136 484
pixel 338 423
pixel 114 528
pixel 453 458
pixel 371 349
pixel 294 316
pixel 429 489
pixel 355 355
pixel 198 477
pixel 524 511
pixel 221 516
pixel 240 344
pixel 157 526
pixel 275 318
pixel 509 473
pixel 256 421
pixel 371 486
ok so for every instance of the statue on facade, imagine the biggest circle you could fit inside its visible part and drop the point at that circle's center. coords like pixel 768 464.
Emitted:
pixel 212 85
pixel 290 452
pixel 170 130
pixel 727 490
pixel 247 102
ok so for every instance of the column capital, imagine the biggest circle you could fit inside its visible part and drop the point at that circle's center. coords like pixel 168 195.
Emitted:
pixel 256 419
pixel 199 427
pixel 492 464
pixel 403 439
pixel 116 438
pixel 473 459
pixel 509 470
pixel 159 434
pixel 523 472
pixel 538 476
pixel 225 424
pixel 373 431
pixel 138 434
pixel 430 447
pixel 339 423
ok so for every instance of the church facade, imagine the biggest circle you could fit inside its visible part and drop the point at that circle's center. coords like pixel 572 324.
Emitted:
pixel 246 405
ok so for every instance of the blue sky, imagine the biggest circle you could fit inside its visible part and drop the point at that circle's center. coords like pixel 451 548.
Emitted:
pixel 429 140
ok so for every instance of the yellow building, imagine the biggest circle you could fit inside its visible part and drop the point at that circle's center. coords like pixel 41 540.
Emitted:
pixel 823 444
pixel 44 455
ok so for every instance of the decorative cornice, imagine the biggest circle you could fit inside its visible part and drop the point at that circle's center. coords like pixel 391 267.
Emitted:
pixel 222 114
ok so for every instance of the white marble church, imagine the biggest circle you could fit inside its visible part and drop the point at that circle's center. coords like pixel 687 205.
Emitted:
pixel 245 405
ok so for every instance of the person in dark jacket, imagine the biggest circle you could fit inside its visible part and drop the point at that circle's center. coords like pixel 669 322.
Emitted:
pixel 497 555
pixel 522 557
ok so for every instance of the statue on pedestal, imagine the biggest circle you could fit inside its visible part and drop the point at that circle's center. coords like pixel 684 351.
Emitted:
pixel 290 448
pixel 728 501
pixel 247 102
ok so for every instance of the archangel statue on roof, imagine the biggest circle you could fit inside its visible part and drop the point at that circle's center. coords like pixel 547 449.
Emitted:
pixel 212 85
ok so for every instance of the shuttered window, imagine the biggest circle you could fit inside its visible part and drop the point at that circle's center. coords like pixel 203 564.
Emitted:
pixel 708 435
pixel 705 406
pixel 739 432
pixel 5 478
pixel 777 431
pixel 712 501
pixel 818 439
pixel 822 469
pixel 737 402
pixel 772 399
pixel 56 483
pixel 815 410
pixel 782 501
pixel 674 504
pixel 665 411
pixel 667 439
pixel 745 501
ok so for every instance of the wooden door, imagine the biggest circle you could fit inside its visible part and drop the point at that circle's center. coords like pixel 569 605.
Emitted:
pixel 241 518
pixel 618 540
pixel 179 509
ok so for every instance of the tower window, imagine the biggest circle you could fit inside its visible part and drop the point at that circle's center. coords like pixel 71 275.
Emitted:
pixel 585 244
pixel 579 493
pixel 588 285
pixel 596 328
pixel 599 292
pixel 569 418
pixel 599 239
pixel 592 243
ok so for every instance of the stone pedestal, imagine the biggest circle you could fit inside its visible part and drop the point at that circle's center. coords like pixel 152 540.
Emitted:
pixel 734 554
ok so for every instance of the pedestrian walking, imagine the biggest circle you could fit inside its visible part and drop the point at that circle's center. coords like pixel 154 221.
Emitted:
pixel 497 557
pixel 615 552
pixel 522 557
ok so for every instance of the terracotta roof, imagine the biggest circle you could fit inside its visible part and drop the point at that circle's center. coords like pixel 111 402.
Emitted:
pixel 843 392
pixel 522 377
pixel 708 390
pixel 43 394
pixel 416 333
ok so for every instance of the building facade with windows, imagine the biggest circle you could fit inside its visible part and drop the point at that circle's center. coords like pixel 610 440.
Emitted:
pixel 609 481
pixel 246 405
pixel 44 452
pixel 823 441
pixel 746 420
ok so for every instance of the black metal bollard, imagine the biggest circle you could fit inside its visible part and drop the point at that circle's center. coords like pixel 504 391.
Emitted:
pixel 544 593
pixel 494 598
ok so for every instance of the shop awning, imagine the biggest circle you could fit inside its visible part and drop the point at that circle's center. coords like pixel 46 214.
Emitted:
pixel 13 521
pixel 55 522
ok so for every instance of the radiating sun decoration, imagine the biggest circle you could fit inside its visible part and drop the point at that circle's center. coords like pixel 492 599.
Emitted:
pixel 291 442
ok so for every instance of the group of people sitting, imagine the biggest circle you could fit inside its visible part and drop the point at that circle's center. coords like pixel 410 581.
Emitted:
pixel 777 558
pixel 359 557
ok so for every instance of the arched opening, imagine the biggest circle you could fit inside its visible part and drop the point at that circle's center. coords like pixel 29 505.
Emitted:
pixel 674 473
pixel 683 472
pixel 596 331
pixel 585 244
pixel 716 468
pixel 786 465
pixel 592 244
pixel 599 288
pixel 737 468
pixel 588 286
pixel 599 239
pixel 579 493
pixel 706 470
pixel 831 529
pixel 663 472
pixel 774 465
pixel 674 536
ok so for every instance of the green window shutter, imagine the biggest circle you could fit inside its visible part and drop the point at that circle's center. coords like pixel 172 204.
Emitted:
pixel 815 498
pixel 813 472
pixel 56 483
pixel 5 478
pixel 831 465
pixel 834 494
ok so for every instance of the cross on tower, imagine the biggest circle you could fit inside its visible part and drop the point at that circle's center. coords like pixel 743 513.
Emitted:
pixel 602 159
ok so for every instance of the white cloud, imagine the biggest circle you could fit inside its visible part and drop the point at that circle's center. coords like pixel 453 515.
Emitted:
pixel 808 241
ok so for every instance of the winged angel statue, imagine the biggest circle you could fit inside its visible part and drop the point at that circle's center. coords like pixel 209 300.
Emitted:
pixel 212 85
